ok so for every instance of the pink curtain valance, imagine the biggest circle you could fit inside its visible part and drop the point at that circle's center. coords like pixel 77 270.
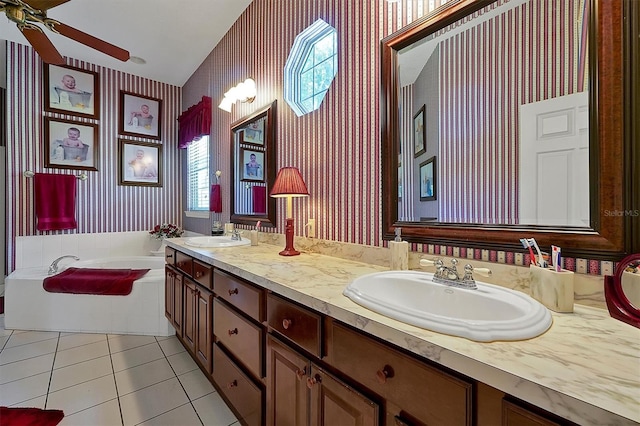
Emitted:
pixel 194 122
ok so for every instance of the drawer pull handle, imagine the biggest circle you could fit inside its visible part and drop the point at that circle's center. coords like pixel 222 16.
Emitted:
pixel 232 292
pixel 311 381
pixel 286 323
pixel 301 373
pixel 169 256
pixel 385 373
pixel 232 384
pixel 232 332
pixel 199 274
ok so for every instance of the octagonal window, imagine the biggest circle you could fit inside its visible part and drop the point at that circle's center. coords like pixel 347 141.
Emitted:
pixel 311 67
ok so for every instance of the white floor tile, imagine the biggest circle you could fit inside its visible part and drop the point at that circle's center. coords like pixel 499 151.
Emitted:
pixel 182 363
pixel 81 372
pixel 3 340
pixel 171 346
pixel 213 411
pixel 81 353
pixel 78 339
pixel 27 337
pixel 19 353
pixel 136 356
pixel 159 338
pixel 196 384
pixel 123 342
pixel 83 396
pixel 24 389
pixel 105 414
pixel 29 367
pixel 37 402
pixel 136 378
pixel 152 401
pixel 184 415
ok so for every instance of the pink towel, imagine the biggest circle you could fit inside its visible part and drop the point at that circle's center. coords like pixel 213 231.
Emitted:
pixel 111 282
pixel 259 199
pixel 55 201
pixel 215 199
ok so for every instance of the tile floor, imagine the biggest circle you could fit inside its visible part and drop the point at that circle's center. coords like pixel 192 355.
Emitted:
pixel 107 380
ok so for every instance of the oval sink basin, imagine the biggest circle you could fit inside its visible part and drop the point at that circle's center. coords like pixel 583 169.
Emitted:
pixel 485 314
pixel 214 242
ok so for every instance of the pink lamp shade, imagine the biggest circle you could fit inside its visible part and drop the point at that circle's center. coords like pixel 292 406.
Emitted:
pixel 289 184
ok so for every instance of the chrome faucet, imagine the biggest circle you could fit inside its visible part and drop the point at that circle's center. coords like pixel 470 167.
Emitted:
pixel 235 235
pixel 450 276
pixel 53 268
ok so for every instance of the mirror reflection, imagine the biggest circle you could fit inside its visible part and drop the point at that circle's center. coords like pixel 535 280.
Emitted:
pixel 253 165
pixel 498 102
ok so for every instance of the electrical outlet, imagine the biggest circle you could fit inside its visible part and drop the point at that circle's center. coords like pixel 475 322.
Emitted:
pixel 311 228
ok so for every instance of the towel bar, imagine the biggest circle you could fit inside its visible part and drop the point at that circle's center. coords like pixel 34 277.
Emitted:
pixel 30 174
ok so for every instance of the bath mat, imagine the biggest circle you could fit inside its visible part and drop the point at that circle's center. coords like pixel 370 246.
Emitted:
pixel 21 416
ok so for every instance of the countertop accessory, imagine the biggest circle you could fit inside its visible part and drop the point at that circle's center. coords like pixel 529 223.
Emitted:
pixel 289 183
pixel 619 305
pixel 399 252
pixel 553 289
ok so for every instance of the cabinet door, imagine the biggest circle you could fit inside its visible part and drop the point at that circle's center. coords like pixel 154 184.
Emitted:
pixel 334 403
pixel 204 334
pixel 287 392
pixel 190 310
pixel 178 298
pixel 169 283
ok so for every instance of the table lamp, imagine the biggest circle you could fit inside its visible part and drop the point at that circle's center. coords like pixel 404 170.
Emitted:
pixel 289 184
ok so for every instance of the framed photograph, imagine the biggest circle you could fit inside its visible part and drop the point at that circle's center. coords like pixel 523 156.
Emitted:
pixel 139 163
pixel 70 90
pixel 70 144
pixel 140 115
pixel 251 165
pixel 254 133
pixel 428 183
pixel 419 133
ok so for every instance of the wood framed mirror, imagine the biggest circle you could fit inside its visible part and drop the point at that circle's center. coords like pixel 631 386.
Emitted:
pixel 606 231
pixel 253 168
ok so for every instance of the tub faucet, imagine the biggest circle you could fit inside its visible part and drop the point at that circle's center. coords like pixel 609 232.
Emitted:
pixel 53 268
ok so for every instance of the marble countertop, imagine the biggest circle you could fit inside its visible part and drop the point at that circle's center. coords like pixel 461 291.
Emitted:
pixel 585 368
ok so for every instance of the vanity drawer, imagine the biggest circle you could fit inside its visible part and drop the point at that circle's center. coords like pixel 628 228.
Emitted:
pixel 203 274
pixel 184 263
pixel 427 394
pixel 239 390
pixel 246 297
pixel 169 256
pixel 298 324
pixel 241 337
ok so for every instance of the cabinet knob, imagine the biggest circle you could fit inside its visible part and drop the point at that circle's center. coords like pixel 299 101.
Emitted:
pixel 311 381
pixel 199 274
pixel 399 422
pixel 232 292
pixel 232 384
pixel 286 323
pixel 383 374
pixel 233 331
pixel 301 373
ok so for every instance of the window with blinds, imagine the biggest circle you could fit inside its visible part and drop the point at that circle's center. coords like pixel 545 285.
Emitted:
pixel 198 174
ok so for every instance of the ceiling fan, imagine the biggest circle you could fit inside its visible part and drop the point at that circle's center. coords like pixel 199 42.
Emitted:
pixel 26 13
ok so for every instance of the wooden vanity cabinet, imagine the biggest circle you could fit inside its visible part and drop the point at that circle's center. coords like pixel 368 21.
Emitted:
pixel 173 298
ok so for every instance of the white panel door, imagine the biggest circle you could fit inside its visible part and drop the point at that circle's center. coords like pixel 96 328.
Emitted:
pixel 554 161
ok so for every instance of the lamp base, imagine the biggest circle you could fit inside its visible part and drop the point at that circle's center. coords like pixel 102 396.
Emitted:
pixel 288 232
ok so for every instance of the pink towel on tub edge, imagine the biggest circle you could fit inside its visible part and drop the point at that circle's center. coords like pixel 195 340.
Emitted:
pixel 111 282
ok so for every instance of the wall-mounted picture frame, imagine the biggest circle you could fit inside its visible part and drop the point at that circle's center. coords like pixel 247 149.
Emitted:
pixel 252 165
pixel 71 90
pixel 70 144
pixel 140 116
pixel 139 163
pixel 254 133
pixel 419 133
pixel 428 180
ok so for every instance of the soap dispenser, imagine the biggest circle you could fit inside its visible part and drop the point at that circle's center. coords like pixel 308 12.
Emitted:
pixel 399 252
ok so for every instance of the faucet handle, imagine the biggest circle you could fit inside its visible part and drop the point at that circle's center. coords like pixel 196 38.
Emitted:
pixel 485 272
pixel 427 262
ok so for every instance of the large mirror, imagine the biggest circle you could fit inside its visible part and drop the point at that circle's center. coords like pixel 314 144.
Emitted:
pixel 496 124
pixel 253 165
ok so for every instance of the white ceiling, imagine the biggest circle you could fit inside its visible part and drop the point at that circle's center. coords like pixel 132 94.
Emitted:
pixel 173 36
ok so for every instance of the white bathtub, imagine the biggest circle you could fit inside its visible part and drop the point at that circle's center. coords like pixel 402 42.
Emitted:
pixel 29 307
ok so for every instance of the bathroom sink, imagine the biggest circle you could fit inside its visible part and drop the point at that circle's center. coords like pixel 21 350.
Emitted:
pixel 485 314
pixel 214 242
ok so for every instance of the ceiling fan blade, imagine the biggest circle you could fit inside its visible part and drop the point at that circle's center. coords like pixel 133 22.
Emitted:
pixel 43 46
pixel 43 5
pixel 93 42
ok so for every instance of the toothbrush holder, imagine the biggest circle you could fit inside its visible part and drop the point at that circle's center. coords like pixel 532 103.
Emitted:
pixel 553 289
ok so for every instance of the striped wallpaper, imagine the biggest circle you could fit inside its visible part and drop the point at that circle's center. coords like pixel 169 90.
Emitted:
pixel 102 205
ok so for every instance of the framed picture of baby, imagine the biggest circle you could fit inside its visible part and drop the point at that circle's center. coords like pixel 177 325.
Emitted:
pixel 71 90
pixel 140 116
pixel 139 163
pixel 251 165
pixel 70 144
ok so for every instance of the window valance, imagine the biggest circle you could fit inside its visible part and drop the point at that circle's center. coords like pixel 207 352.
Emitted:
pixel 194 122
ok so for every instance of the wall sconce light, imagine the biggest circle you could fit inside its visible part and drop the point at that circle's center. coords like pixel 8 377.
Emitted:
pixel 289 184
pixel 243 92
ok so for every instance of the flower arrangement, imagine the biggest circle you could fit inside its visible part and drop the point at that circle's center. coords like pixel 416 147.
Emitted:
pixel 166 230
